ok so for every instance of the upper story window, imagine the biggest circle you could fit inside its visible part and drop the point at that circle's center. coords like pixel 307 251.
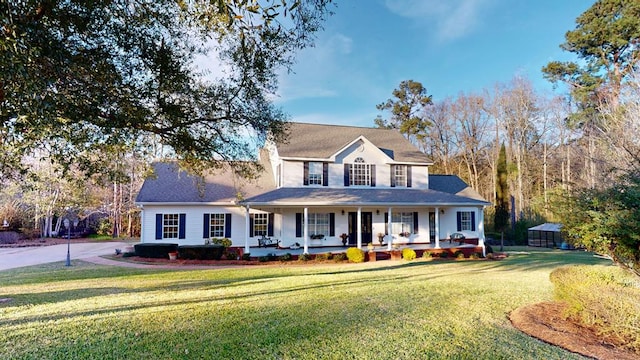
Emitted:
pixel 401 175
pixel 360 173
pixel 316 173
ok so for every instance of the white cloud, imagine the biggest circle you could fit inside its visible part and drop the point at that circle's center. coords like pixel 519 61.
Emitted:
pixel 452 19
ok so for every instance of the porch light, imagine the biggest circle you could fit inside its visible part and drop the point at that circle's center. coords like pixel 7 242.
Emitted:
pixel 442 211
pixel 342 211
pixel 377 211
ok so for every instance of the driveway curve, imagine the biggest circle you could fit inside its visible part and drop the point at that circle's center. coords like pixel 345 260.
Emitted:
pixel 11 258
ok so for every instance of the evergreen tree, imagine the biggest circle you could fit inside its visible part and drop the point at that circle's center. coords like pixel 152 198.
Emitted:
pixel 501 217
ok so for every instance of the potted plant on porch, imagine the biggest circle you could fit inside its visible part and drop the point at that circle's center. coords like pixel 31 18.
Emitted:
pixel 380 238
pixel 344 238
pixel 173 255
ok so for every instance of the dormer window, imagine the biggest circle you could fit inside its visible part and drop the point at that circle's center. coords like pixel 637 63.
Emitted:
pixel 359 173
pixel 316 173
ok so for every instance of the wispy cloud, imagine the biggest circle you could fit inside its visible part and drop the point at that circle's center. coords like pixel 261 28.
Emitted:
pixel 452 19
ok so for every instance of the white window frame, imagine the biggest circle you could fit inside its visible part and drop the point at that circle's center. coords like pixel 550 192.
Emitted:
pixel 170 226
pixel 319 224
pixel 217 225
pixel 359 173
pixel 400 175
pixel 316 171
pixel 402 222
pixel 260 224
pixel 465 221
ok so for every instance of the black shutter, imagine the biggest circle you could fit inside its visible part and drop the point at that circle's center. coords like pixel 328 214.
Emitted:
pixel 227 225
pixel 392 179
pixel 206 222
pixel 298 224
pixel 270 225
pixel 306 173
pixel 346 174
pixel 408 175
pixel 158 226
pixel 473 221
pixel 459 220
pixel 251 225
pixel 415 222
pixel 386 223
pixel 181 226
pixel 373 175
pixel 325 174
pixel 332 224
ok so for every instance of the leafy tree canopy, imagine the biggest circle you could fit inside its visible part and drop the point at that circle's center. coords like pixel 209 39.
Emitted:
pixel 83 77
pixel 606 221
pixel 607 40
pixel 410 99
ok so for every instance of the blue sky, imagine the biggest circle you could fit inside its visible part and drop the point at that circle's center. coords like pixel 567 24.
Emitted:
pixel 451 46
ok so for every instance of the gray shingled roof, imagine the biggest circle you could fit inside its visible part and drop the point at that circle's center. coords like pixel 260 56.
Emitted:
pixel 318 141
pixel 358 196
pixel 169 184
pixel 452 184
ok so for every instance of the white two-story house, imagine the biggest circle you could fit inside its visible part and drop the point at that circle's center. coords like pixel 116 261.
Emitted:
pixel 323 184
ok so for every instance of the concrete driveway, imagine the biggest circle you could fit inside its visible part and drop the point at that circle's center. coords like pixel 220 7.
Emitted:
pixel 26 256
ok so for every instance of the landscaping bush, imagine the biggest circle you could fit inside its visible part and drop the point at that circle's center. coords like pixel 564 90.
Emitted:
pixel 304 257
pixel 444 254
pixel 475 256
pixel 154 250
pixel 246 256
pixel 323 257
pixel 408 254
pixel 230 255
pixel 128 254
pixel 201 252
pixel 268 257
pixel 604 298
pixel 221 241
pixel 285 257
pixel 458 254
pixel 427 255
pixel 355 255
pixel 339 257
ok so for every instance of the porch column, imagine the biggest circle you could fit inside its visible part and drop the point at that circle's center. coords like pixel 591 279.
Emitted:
pixel 437 220
pixel 305 230
pixel 246 230
pixel 359 228
pixel 480 227
pixel 389 227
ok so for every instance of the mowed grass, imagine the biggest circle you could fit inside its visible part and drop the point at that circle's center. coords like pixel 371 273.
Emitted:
pixel 382 310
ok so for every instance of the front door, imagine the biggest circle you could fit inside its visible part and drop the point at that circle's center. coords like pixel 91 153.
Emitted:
pixel 366 228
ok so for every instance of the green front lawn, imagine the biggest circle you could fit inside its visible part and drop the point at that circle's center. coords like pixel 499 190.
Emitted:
pixel 382 310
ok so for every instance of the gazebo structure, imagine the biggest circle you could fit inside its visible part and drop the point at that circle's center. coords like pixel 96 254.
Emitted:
pixel 545 235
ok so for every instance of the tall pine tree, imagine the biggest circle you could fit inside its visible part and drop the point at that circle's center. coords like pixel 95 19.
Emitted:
pixel 501 217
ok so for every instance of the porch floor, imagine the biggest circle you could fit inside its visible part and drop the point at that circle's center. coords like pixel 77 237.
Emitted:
pixel 264 251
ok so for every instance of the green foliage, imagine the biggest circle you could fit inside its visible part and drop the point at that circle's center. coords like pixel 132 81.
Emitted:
pixel 304 257
pixel 458 254
pixel 151 250
pixel 323 257
pixel 339 257
pixel 105 227
pixel 201 252
pixel 285 257
pixel 501 215
pixel 111 77
pixel 246 256
pixel 407 109
pixel 427 255
pixel 444 254
pixel 475 256
pixel 605 220
pixel 230 255
pixel 355 255
pixel 604 298
pixel 408 254
pixel 225 242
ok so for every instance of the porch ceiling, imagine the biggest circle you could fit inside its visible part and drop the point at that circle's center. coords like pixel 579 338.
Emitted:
pixel 316 196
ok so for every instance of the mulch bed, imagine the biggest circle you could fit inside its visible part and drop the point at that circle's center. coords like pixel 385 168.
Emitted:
pixel 545 322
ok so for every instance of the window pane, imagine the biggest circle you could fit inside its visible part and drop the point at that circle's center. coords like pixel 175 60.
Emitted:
pixel 170 226
pixel 465 220
pixel 260 224
pixel 400 173
pixel 315 173
pixel 319 224
pixel 402 223
pixel 360 173
pixel 217 225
